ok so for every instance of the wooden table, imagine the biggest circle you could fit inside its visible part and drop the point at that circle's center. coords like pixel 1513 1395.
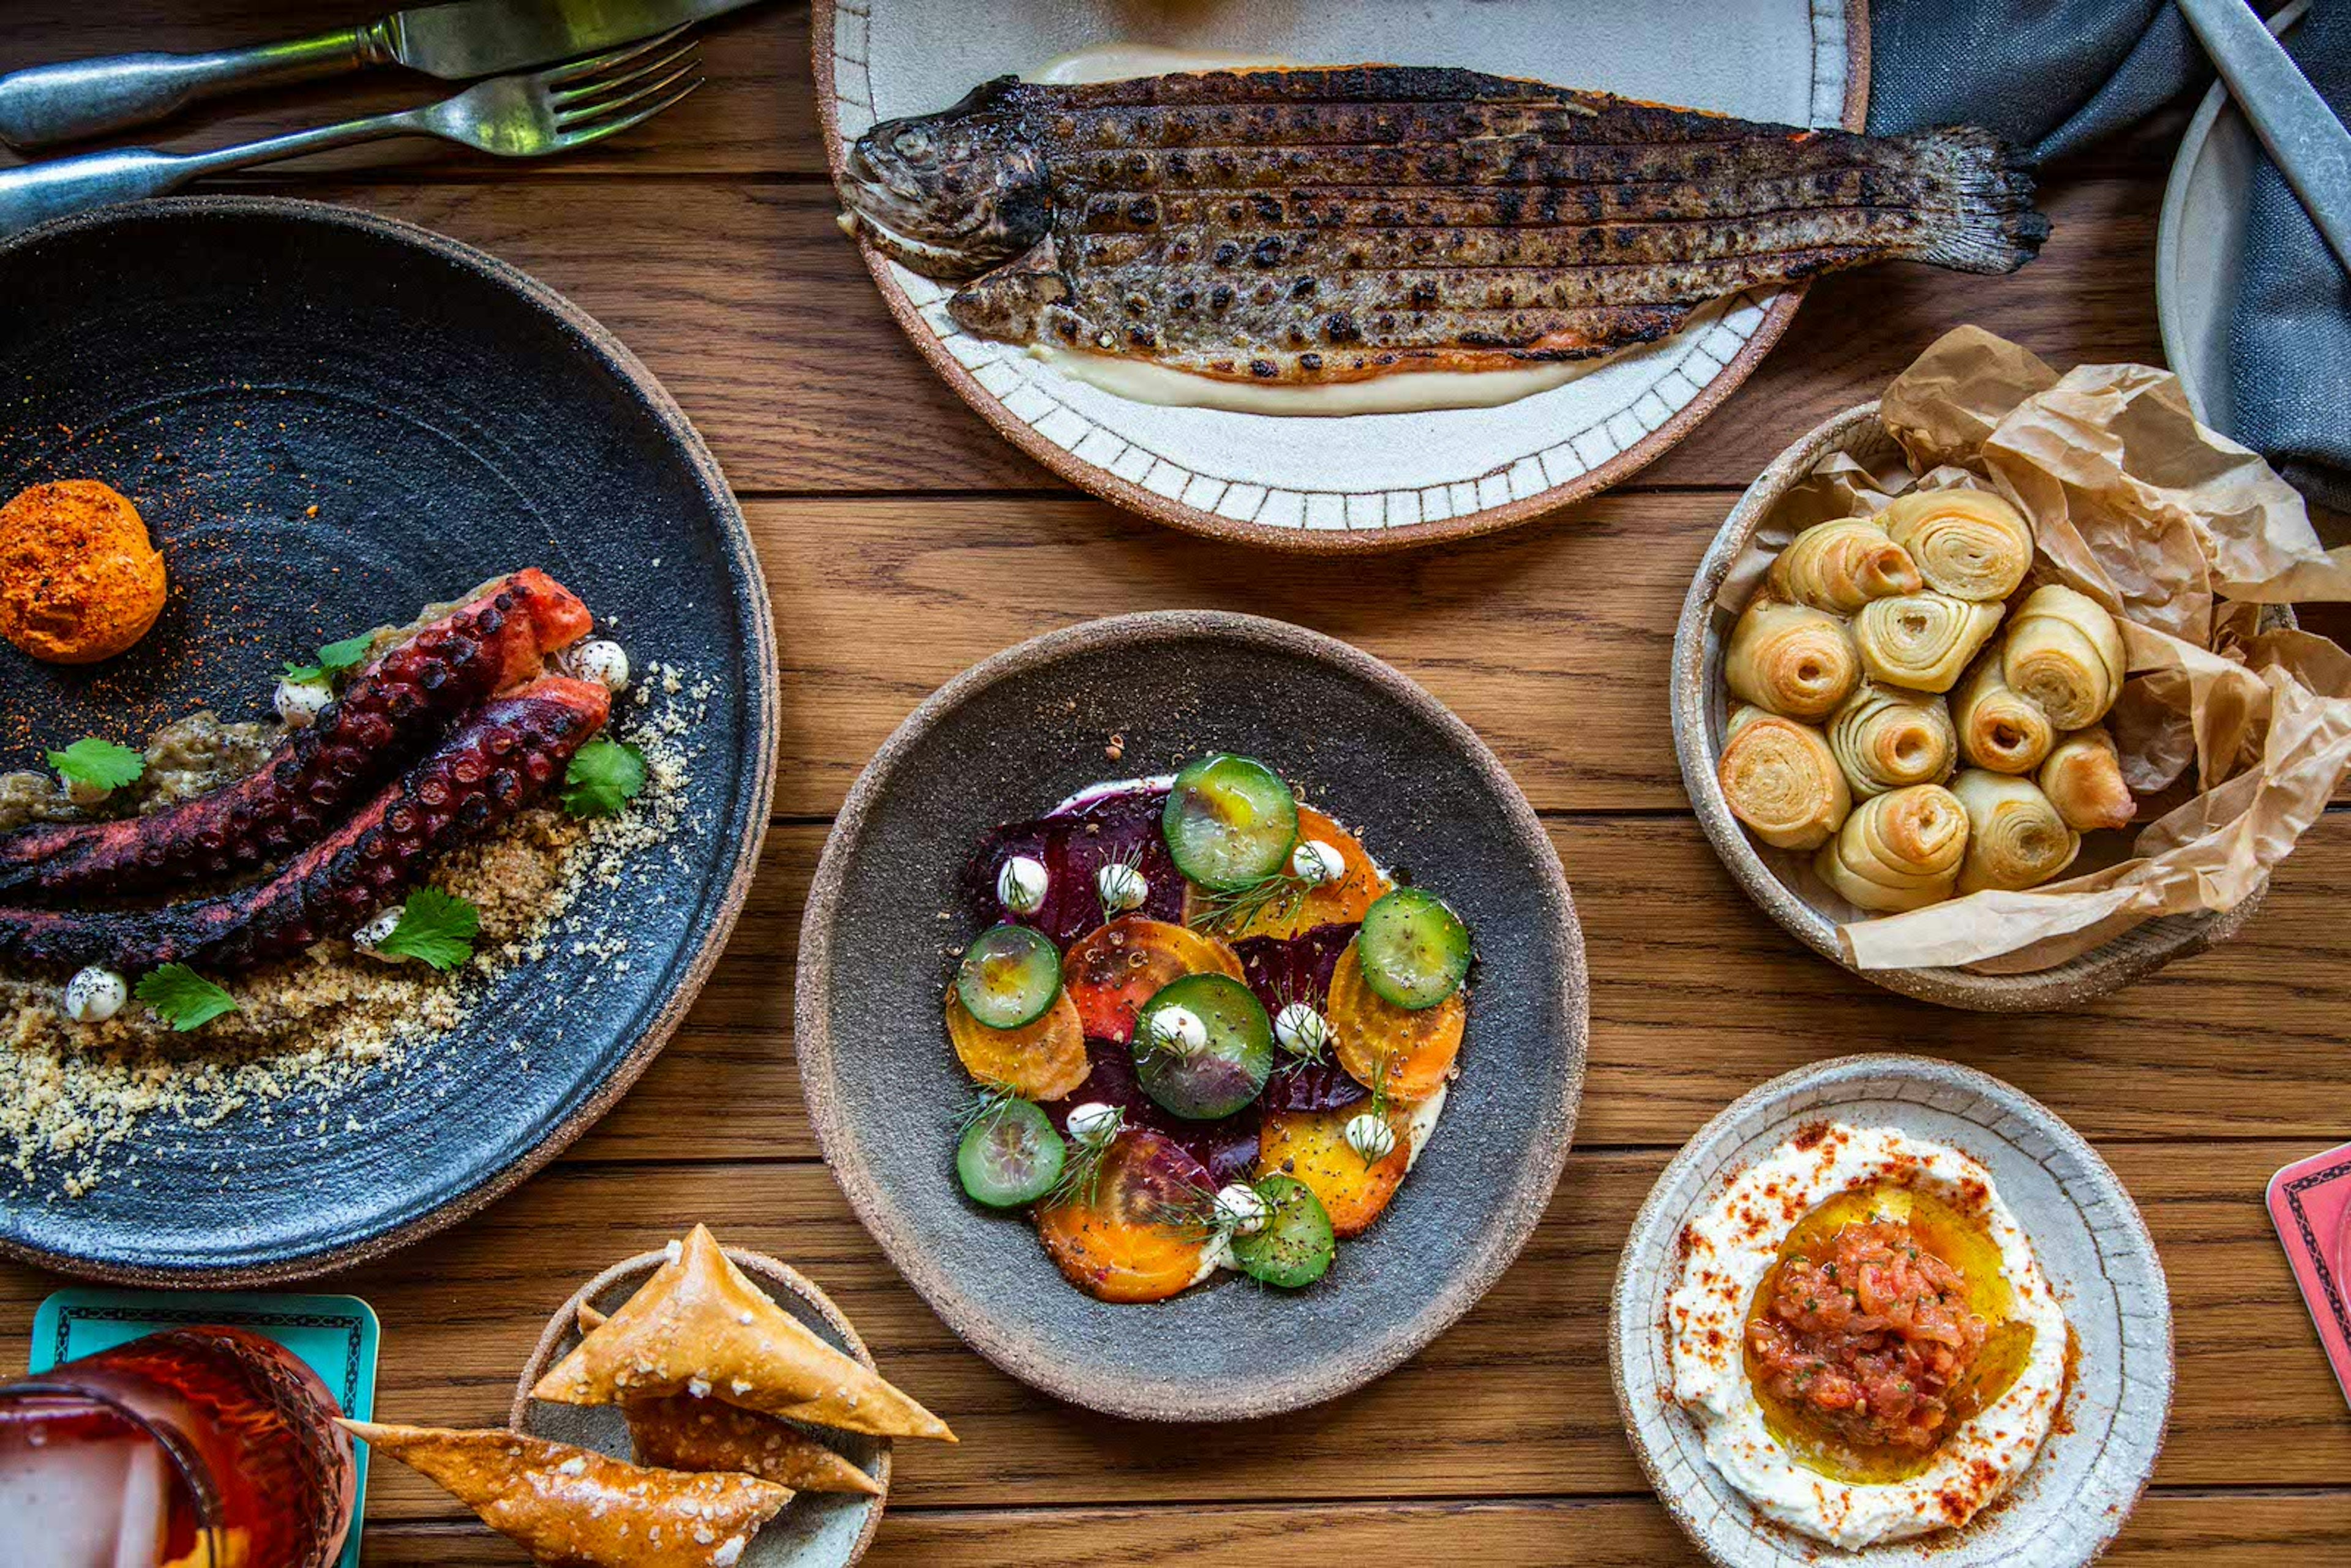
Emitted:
pixel 903 541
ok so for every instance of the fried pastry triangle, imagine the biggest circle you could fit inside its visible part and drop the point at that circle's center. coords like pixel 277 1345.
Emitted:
pixel 570 1507
pixel 698 1326
pixel 679 1432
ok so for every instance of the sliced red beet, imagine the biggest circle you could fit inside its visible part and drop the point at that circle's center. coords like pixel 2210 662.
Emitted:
pixel 1227 1147
pixel 1282 970
pixel 1311 1086
pixel 1072 846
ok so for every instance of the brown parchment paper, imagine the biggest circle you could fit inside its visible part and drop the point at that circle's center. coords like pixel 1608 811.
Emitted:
pixel 2184 535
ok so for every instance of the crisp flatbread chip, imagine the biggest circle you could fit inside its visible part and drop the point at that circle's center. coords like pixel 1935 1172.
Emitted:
pixel 698 1326
pixel 572 1508
pixel 680 1432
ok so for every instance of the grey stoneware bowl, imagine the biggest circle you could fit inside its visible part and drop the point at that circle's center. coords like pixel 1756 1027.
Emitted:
pixel 816 1530
pixel 1007 739
pixel 1774 878
pixel 2091 1241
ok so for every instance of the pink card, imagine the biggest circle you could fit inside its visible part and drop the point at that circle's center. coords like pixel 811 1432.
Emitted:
pixel 2310 1201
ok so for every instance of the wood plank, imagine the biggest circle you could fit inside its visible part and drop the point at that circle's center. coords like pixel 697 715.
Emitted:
pixel 1513 1401
pixel 1696 998
pixel 2212 1530
pixel 769 331
pixel 755 115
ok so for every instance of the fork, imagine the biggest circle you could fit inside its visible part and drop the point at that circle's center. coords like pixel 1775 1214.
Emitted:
pixel 527 115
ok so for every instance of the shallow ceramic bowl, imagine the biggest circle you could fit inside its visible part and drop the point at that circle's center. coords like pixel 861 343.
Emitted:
pixel 2085 1231
pixel 816 1530
pixel 1020 731
pixel 1361 482
pixel 328 419
pixel 1775 879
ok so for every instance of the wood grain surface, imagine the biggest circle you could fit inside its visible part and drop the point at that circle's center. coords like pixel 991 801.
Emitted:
pixel 903 541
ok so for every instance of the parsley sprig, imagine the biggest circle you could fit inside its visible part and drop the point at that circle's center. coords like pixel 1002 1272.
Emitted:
pixel 101 764
pixel 183 998
pixel 604 775
pixel 435 927
pixel 333 660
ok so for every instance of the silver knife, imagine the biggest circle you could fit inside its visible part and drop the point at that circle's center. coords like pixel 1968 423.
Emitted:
pixel 457 41
pixel 2310 146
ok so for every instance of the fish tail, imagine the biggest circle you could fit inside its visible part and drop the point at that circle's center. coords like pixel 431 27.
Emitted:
pixel 1982 219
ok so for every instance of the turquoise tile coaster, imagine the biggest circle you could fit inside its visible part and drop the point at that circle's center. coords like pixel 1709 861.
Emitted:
pixel 335 1335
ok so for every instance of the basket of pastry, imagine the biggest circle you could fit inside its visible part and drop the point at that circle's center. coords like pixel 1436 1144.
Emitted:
pixel 1991 691
pixel 697 1407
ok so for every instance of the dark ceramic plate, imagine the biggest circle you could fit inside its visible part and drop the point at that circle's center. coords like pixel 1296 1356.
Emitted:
pixel 327 420
pixel 1007 739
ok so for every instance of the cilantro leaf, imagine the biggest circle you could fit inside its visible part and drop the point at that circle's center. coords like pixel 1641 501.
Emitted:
pixel 435 927
pixel 333 660
pixel 99 763
pixel 604 775
pixel 186 999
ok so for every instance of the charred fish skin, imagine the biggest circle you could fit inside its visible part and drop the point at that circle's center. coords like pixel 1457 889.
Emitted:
pixel 954 193
pixel 1330 224
pixel 503 757
pixel 390 710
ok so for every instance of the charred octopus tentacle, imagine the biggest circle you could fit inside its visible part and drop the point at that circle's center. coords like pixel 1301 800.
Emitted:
pixel 497 761
pixel 386 717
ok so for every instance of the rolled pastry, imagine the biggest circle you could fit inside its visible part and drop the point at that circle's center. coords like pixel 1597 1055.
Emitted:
pixel 2065 653
pixel 1898 850
pixel 1886 738
pixel 2083 780
pixel 2000 729
pixel 1781 781
pixel 2015 838
pixel 1791 660
pixel 1842 565
pixel 1969 544
pixel 1921 640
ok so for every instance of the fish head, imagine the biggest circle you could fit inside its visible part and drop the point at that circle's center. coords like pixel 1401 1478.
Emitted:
pixel 952 194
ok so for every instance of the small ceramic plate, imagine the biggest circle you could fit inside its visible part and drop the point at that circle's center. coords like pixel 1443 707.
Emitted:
pixel 1367 481
pixel 2085 1229
pixel 1007 739
pixel 2200 244
pixel 327 420
pixel 1781 881
pixel 816 1530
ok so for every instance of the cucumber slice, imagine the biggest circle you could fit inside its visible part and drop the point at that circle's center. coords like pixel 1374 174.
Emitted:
pixel 1220 1057
pixel 1229 821
pixel 1295 1248
pixel 1414 951
pixel 1009 1154
pixel 1009 976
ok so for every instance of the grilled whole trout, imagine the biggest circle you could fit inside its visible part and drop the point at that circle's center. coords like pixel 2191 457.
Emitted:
pixel 1324 224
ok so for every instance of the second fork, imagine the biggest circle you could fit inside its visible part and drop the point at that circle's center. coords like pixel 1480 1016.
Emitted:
pixel 527 115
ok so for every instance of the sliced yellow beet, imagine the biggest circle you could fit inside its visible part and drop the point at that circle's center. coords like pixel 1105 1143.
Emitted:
pixel 1414 1046
pixel 1039 1060
pixel 1112 1239
pixel 1312 1146
pixel 1341 902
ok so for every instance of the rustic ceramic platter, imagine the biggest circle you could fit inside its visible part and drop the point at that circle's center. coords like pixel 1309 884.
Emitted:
pixel 2091 1243
pixel 1362 482
pixel 329 419
pixel 1781 881
pixel 1020 731
pixel 816 1530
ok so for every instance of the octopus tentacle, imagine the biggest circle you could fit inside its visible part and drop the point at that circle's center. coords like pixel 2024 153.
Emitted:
pixel 496 761
pixel 396 707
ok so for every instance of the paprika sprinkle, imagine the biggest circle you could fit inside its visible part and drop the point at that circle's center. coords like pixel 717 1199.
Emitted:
pixel 79 580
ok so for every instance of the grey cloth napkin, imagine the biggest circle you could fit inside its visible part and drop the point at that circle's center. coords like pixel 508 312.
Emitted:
pixel 2055 76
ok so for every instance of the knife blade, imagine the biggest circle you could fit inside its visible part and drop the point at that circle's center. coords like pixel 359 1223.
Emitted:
pixel 2311 148
pixel 464 39
pixel 484 38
